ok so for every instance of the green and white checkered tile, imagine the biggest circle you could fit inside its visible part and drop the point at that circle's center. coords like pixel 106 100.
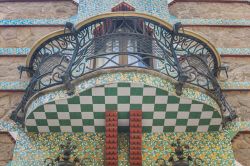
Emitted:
pixel 161 112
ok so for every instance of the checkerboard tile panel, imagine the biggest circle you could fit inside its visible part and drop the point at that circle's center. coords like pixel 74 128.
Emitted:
pixel 161 112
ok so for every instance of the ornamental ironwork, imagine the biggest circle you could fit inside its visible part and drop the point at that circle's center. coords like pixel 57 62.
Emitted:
pixel 118 42
pixel 180 157
pixel 67 157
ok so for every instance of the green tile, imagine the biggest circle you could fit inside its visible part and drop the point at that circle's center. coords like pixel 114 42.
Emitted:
pixel 135 106
pixel 64 122
pixel 40 109
pixel 148 100
pixel 32 129
pixel 98 99
pixel 168 128
pixel 54 129
pixel 31 116
pixel 173 100
pixel 207 108
pixel 123 84
pixel 86 93
pixel 158 122
pixel 204 121
pixel 191 128
pixel 62 108
pixel 195 102
pixel 136 91
pixel 123 99
pixel 77 129
pixel 160 107
pixel 146 129
pixel 99 115
pixel 123 129
pixel 99 129
pixel 214 128
pixel 75 115
pixel 216 114
pixel 123 115
pixel 88 122
pixel 111 106
pixel 171 115
pixel 147 115
pixel 110 91
pixel 194 115
pixel 41 122
pixel 74 100
pixel 160 92
pixel 181 122
pixel 86 107
pixel 51 115
pixel 185 107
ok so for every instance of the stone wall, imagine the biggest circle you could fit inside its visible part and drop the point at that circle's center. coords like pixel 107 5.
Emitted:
pixel 221 37
pixel 8 103
pixel 210 10
pixel 241 148
pixel 23 36
pixel 6 150
pixel 56 9
pixel 239 100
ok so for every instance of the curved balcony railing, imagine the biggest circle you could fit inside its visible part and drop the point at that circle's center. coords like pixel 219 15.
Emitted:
pixel 117 42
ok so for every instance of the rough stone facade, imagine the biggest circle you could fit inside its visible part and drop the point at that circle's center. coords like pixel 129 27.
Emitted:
pixel 7 145
pixel 60 9
pixel 224 37
pixel 241 146
pixel 23 36
pixel 8 103
pixel 210 10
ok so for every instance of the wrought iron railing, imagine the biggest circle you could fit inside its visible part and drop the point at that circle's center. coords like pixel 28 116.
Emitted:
pixel 118 42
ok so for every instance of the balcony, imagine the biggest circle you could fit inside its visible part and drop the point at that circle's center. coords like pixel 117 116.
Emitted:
pixel 128 48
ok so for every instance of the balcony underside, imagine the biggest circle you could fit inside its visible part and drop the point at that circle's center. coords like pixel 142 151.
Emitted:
pixel 123 90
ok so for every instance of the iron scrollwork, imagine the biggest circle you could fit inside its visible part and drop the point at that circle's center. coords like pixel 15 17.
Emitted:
pixel 103 44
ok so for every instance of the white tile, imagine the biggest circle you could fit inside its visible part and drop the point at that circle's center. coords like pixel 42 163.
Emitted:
pixel 172 107
pixel 53 122
pixel 148 107
pixel 30 122
pixel 147 122
pixel 180 128
pixel 87 115
pixel 183 115
pixel 66 128
pixel 206 114
pixel 74 107
pixel 88 128
pixel 161 99
pixel 196 107
pixel 123 122
pixel 159 115
pixel 86 100
pixel 43 128
pixel 111 100
pixel 215 121
pixel 149 91
pixel 39 115
pixel 185 101
pixel 193 122
pixel 50 108
pixel 61 101
pixel 99 108
pixel 76 122
pixel 123 107
pixel 98 91
pixel 202 128
pixel 170 122
pixel 136 99
pixel 157 129
pixel 63 115
pixel 123 91
pixel 99 122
